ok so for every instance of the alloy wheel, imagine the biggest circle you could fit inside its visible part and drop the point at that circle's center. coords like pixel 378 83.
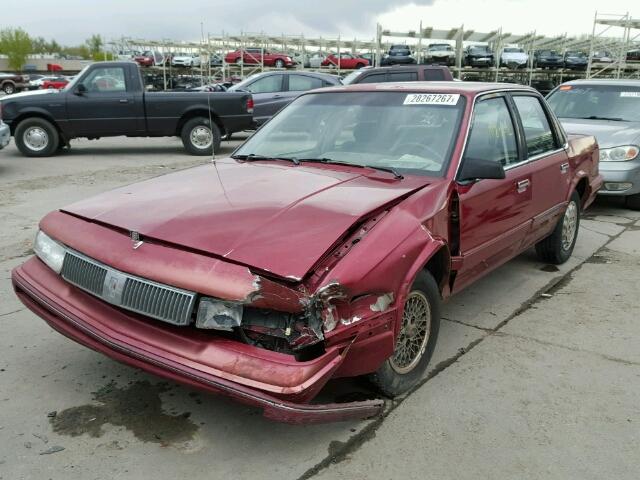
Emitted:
pixel 414 333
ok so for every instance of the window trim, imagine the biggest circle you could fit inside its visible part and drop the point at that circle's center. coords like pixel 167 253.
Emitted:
pixel 481 98
pixel 559 138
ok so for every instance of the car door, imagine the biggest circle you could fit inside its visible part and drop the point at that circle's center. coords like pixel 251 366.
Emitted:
pixel 549 162
pixel 494 214
pixel 106 107
pixel 268 96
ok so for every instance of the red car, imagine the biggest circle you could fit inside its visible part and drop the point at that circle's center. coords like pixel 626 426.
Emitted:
pixel 273 273
pixel 149 58
pixel 346 61
pixel 57 83
pixel 255 56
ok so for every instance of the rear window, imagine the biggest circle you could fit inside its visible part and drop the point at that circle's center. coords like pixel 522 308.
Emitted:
pixel 434 75
pixel 403 77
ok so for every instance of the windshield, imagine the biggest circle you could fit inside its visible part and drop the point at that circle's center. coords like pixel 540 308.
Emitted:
pixel 408 132
pixel 597 101
pixel 74 80
pixel 513 50
pixel 479 49
pixel 436 47
pixel 576 54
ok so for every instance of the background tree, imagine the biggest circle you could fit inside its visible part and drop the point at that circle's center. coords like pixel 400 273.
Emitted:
pixel 95 43
pixel 15 43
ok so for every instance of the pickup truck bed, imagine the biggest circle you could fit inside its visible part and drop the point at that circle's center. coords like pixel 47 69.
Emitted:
pixel 109 99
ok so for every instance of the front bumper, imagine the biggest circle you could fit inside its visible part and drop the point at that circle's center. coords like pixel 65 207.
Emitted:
pixel 274 382
pixel 621 172
pixel 5 135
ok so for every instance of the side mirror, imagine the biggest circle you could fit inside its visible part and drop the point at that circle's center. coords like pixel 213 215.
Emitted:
pixel 477 169
pixel 80 89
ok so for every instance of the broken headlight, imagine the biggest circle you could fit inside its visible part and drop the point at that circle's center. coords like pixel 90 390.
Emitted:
pixel 218 315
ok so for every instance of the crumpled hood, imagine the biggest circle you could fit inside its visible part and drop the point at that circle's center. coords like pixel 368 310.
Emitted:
pixel 271 216
pixel 609 133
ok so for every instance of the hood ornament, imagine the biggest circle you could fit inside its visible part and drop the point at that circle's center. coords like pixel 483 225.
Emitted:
pixel 135 238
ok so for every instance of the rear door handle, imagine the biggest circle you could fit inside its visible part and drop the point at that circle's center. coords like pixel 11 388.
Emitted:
pixel 123 100
pixel 523 185
pixel 564 168
pixel 277 96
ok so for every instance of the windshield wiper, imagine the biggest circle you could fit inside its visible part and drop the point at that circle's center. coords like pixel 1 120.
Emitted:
pixel 391 170
pixel 252 156
pixel 596 117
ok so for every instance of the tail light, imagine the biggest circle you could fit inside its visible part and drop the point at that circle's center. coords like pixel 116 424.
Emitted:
pixel 250 105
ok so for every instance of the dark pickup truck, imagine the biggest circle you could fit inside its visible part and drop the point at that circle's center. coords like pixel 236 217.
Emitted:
pixel 108 99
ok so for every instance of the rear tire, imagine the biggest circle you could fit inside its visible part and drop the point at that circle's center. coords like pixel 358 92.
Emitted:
pixel 420 315
pixel 359 66
pixel 558 247
pixel 633 201
pixel 36 137
pixel 200 136
pixel 238 60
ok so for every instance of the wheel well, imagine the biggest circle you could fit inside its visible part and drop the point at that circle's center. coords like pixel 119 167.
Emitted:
pixel 439 266
pixel 199 113
pixel 581 188
pixel 24 116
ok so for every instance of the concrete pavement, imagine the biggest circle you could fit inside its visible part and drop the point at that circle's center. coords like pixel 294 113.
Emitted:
pixel 521 385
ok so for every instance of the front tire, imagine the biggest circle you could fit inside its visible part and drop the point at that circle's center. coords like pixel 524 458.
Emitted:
pixel 416 339
pixel 8 88
pixel 558 247
pixel 200 136
pixel 279 63
pixel 36 137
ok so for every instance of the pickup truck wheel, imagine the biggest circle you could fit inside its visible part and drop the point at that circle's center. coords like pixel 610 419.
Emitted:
pixel 36 137
pixel 279 63
pixel 8 88
pixel 200 136
pixel 558 247
pixel 416 339
pixel 633 201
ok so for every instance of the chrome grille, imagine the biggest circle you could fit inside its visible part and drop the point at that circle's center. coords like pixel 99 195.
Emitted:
pixel 162 302
pixel 84 274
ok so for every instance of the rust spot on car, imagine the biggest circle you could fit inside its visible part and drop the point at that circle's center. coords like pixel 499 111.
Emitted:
pixel 137 407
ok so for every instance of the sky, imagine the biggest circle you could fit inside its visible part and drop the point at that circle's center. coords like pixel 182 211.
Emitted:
pixel 72 21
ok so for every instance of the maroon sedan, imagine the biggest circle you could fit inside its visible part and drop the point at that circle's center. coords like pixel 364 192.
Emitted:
pixel 322 248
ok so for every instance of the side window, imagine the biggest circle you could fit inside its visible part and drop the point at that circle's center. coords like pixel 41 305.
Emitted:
pixel 268 84
pixel 299 83
pixel 403 77
pixel 106 80
pixel 537 131
pixel 492 134
pixel 374 78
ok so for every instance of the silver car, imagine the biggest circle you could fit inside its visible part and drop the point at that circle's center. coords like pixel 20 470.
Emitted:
pixel 5 135
pixel 610 111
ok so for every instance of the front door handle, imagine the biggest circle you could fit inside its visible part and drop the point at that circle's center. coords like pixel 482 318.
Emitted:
pixel 277 96
pixel 564 168
pixel 523 185
pixel 123 100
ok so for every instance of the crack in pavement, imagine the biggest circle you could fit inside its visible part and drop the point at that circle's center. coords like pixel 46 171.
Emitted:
pixel 10 313
pixel 340 453
pixel 603 356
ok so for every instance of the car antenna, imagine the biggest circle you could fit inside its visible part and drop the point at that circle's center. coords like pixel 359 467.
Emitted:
pixel 213 150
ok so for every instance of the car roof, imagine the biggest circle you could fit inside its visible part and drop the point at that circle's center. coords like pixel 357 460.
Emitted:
pixel 609 81
pixel 469 88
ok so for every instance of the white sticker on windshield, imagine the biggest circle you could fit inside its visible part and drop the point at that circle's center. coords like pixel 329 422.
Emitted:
pixel 630 94
pixel 431 99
